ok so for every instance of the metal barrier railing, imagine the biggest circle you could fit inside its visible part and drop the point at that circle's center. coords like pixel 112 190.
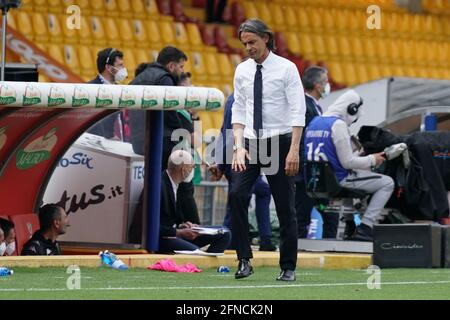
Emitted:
pixel 211 199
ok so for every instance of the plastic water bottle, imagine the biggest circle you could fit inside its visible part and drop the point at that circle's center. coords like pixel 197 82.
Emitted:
pixel 111 260
pixel 5 272
pixel 223 269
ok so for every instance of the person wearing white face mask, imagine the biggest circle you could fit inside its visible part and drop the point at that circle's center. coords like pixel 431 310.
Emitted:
pixel 317 86
pixel 176 232
pixel 111 70
pixel 8 244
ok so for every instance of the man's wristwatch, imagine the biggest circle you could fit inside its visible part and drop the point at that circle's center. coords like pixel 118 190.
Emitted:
pixel 235 147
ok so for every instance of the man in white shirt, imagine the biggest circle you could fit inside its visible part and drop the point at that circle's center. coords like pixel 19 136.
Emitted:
pixel 268 117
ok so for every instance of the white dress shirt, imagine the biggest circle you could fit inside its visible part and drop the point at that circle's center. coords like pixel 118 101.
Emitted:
pixel 283 98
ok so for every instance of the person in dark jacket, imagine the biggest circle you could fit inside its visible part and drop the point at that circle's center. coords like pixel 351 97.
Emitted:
pixel 315 82
pixel 53 222
pixel 111 70
pixel 176 232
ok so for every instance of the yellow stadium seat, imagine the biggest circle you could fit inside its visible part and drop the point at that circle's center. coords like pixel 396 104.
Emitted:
pixel 315 18
pixel 291 18
pixel 167 33
pixel 336 71
pixel 331 45
pixel 71 58
pixel 195 39
pixel 342 17
pixel 306 45
pixel 373 71
pixel 188 68
pixel 98 7
pixel 151 9
pixel 250 9
pixel 55 51
pixel 82 4
pixel 211 65
pixel 406 51
pixel 140 56
pixel 350 73
pixel 27 5
pixel 381 49
pixel 40 5
pixel 357 48
pixel 225 65
pixel 153 33
pixel 304 24
pixel 55 6
pixel 111 9
pixel 369 49
pixel 54 28
pixel 126 33
pixel 138 9
pixel 198 66
pixel 344 46
pixel 277 17
pixel 181 36
pixel 24 24
pixel 319 47
pixel 84 33
pixel 140 34
pixel 329 17
pixel 294 45
pixel 263 12
pixel 130 61
pixel 97 31
pixel 112 33
pixel 11 21
pixel 87 64
pixel 70 35
pixel 362 74
pixel 41 46
pixel 124 7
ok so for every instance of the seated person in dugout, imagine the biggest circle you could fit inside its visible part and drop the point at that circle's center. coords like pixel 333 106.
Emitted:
pixel 327 138
pixel 54 222
pixel 176 232
pixel 7 238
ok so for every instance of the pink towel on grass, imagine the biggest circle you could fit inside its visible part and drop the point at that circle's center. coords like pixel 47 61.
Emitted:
pixel 170 266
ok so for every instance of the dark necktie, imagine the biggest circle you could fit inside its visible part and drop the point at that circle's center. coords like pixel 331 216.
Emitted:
pixel 319 108
pixel 257 97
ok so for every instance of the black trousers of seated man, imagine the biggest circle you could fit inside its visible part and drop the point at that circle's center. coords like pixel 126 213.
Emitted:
pixel 283 192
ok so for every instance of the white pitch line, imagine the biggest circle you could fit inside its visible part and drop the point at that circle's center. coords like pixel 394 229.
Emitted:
pixel 227 287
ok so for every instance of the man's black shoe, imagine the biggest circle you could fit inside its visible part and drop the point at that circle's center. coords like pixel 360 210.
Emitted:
pixel 363 233
pixel 245 269
pixel 286 275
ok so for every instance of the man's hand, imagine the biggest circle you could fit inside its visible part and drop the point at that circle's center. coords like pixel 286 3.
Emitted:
pixel 187 233
pixel 188 225
pixel 239 156
pixel 292 163
pixel 379 158
pixel 216 173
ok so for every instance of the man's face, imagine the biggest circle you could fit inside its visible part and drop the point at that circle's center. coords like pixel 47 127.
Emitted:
pixel 63 222
pixel 176 68
pixel 320 86
pixel 118 64
pixel 254 44
pixel 186 170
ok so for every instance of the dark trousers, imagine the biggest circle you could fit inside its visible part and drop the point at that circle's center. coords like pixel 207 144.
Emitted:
pixel 303 207
pixel 262 209
pixel 217 243
pixel 283 193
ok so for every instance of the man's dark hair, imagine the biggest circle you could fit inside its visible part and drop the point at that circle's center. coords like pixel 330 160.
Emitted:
pixel 312 76
pixel 6 226
pixel 184 76
pixel 140 68
pixel 47 214
pixel 170 54
pixel 259 28
pixel 107 56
